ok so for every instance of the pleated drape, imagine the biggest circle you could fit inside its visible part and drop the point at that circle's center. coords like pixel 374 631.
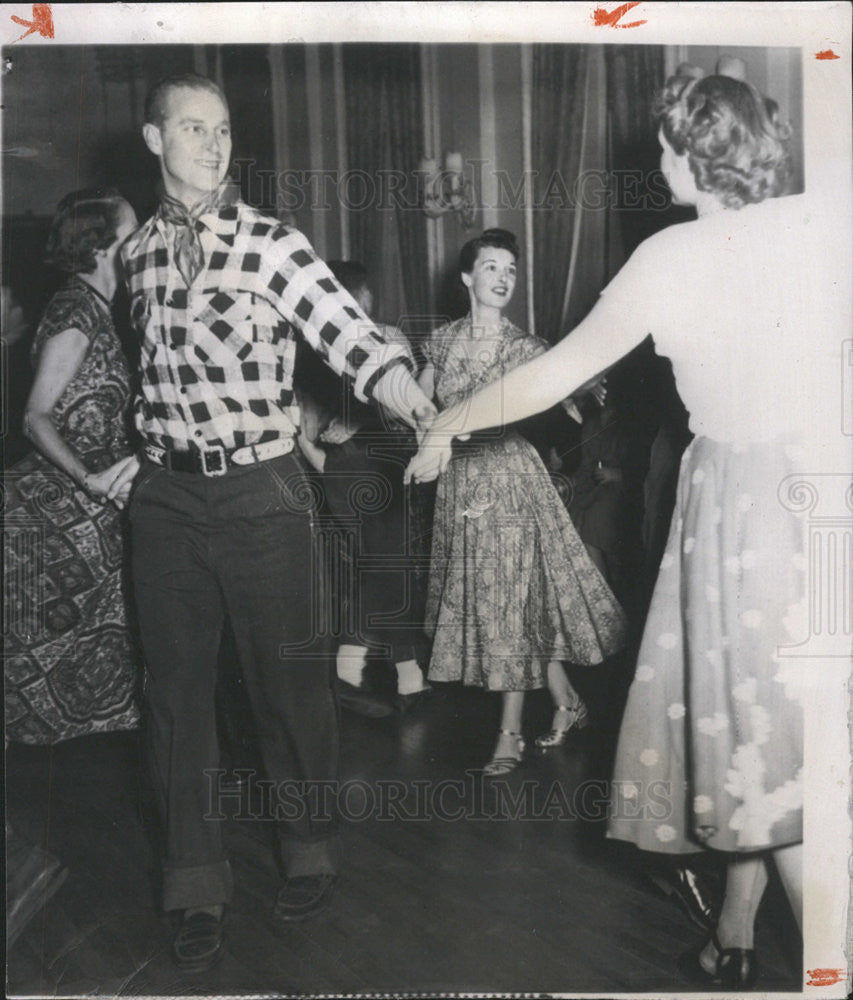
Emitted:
pixel 385 142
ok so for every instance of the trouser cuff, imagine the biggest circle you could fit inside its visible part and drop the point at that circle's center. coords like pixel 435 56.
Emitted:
pixel 310 857
pixel 198 885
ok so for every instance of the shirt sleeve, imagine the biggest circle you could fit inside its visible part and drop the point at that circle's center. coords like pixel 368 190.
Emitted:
pixel 304 291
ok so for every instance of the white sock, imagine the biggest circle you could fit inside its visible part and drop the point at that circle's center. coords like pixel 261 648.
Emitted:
pixel 409 677
pixel 350 663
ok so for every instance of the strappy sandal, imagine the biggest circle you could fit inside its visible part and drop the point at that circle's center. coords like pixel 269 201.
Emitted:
pixel 198 945
pixel 499 766
pixel 578 719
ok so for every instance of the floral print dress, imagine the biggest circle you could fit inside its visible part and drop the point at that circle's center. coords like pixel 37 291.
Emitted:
pixel 70 667
pixel 511 585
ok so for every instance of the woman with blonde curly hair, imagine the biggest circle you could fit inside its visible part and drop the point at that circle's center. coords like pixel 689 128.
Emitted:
pixel 710 750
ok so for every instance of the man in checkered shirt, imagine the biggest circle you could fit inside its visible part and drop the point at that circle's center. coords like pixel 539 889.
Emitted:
pixel 220 509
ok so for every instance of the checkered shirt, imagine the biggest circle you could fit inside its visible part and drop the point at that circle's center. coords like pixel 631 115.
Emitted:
pixel 217 358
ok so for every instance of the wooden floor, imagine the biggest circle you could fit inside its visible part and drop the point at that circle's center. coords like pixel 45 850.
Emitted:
pixel 426 903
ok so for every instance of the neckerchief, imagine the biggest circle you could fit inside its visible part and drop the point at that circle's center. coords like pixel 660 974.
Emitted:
pixel 189 256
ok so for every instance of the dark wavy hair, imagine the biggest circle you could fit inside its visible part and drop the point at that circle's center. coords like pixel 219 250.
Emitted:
pixel 736 145
pixel 501 239
pixel 351 274
pixel 85 221
pixel 155 102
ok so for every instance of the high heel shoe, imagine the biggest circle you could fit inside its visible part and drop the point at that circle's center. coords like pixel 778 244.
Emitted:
pixel 578 719
pixel 499 766
pixel 736 968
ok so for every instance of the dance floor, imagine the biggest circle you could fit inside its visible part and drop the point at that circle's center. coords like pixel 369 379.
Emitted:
pixel 446 886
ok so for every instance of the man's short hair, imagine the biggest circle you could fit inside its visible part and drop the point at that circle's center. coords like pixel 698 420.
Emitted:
pixel 155 102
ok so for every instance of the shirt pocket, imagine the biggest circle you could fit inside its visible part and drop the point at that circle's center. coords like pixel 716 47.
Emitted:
pixel 223 326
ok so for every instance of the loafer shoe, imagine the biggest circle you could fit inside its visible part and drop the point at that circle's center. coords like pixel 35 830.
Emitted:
pixel 362 702
pixel 199 943
pixel 303 896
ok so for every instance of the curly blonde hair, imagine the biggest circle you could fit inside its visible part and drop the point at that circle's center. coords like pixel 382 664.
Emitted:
pixel 736 146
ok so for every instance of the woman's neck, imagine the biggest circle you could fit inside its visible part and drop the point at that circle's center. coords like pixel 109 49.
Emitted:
pixel 708 204
pixel 485 317
pixel 103 279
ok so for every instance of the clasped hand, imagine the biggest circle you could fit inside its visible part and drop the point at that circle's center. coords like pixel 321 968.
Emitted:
pixel 115 482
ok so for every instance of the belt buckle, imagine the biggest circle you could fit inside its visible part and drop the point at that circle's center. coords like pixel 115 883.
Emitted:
pixel 213 461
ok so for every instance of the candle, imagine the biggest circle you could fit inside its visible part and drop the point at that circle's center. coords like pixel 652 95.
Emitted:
pixel 453 163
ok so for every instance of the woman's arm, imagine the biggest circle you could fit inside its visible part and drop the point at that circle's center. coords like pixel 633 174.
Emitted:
pixel 60 359
pixel 597 343
pixel 426 380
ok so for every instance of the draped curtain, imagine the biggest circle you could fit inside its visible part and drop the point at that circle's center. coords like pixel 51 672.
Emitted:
pixel 591 117
pixel 385 142
pixel 559 73
pixel 635 75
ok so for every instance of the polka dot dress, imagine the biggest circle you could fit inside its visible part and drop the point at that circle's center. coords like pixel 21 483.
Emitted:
pixel 710 750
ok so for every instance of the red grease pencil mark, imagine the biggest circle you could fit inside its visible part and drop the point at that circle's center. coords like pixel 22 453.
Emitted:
pixel 825 977
pixel 826 54
pixel 42 22
pixel 602 17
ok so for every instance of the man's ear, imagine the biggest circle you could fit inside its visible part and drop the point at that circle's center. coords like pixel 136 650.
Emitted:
pixel 153 139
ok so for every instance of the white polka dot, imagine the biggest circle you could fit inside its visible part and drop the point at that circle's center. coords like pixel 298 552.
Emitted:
pixel 711 725
pixel 698 477
pixel 689 545
pixel 732 565
pixel 748 558
pixel 668 640
pixel 712 594
pixel 667 560
pixel 714 657
pixel 752 618
pixel 676 711
pixel 745 502
pixel 649 757
pixel 745 691
pixel 630 790
pixel 665 833
pixel 680 525
pixel 702 804
pixel 645 672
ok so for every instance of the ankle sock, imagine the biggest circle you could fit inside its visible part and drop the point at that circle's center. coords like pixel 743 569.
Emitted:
pixel 409 677
pixel 350 663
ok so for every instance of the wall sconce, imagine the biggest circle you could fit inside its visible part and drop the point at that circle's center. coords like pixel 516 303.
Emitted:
pixel 447 190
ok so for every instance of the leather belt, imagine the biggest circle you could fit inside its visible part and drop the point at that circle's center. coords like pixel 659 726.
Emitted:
pixel 217 460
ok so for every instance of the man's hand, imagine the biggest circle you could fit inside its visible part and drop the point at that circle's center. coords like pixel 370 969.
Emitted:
pixel 398 392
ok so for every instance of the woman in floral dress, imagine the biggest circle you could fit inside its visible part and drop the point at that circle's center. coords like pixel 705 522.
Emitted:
pixel 710 752
pixel 70 667
pixel 512 591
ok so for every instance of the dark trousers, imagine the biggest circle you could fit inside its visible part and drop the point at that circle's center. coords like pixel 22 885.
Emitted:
pixel 240 546
pixel 364 490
